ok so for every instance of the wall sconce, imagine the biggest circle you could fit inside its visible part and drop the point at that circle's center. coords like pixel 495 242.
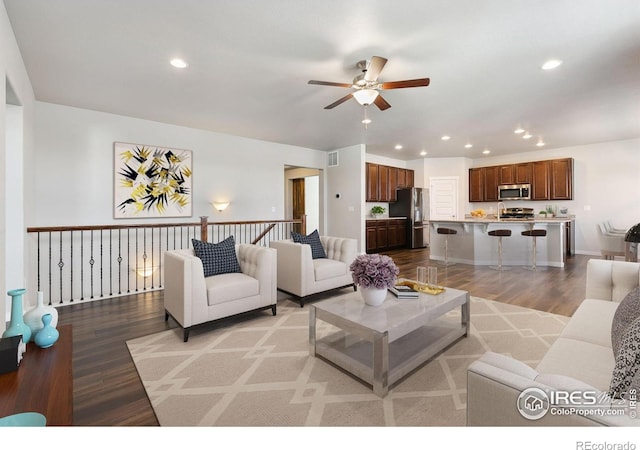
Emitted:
pixel 220 206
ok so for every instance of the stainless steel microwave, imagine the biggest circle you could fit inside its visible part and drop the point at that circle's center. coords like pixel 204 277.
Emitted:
pixel 514 192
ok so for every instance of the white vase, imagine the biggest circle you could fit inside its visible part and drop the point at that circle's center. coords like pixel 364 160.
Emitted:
pixel 373 296
pixel 33 317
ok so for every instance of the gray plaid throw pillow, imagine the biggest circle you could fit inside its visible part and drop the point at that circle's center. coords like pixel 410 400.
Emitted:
pixel 217 258
pixel 313 239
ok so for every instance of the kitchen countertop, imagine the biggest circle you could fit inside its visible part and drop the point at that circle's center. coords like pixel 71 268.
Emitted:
pixel 385 218
pixel 510 220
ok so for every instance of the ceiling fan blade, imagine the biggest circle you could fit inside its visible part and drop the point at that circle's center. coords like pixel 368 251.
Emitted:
pixel 381 103
pixel 329 83
pixel 374 68
pixel 405 84
pixel 338 102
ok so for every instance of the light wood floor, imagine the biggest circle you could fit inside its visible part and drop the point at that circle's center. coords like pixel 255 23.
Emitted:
pixel 107 390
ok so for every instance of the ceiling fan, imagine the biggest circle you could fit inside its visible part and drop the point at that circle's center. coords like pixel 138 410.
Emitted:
pixel 366 85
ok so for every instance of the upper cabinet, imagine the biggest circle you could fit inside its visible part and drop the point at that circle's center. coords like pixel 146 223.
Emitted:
pixel 550 180
pixel 383 181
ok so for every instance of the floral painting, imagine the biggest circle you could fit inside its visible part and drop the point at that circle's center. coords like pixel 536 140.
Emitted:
pixel 151 181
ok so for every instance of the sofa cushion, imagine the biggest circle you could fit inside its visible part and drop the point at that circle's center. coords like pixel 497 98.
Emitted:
pixel 626 373
pixel 313 239
pixel 627 312
pixel 592 322
pixel 217 258
pixel 230 286
pixel 585 361
pixel 323 269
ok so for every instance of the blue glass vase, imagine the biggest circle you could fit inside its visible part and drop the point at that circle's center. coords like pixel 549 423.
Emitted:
pixel 48 335
pixel 17 325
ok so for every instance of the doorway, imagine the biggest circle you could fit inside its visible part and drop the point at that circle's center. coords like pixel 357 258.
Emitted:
pixel 303 196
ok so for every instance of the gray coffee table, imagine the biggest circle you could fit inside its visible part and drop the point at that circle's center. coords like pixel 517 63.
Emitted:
pixel 382 344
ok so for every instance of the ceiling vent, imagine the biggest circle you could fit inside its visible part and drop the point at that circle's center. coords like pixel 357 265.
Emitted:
pixel 332 159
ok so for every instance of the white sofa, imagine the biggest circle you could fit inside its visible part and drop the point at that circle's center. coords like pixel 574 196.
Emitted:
pixel 191 299
pixel 581 359
pixel 302 276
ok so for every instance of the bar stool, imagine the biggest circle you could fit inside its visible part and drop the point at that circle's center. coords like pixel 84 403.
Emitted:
pixel 447 232
pixel 534 234
pixel 499 234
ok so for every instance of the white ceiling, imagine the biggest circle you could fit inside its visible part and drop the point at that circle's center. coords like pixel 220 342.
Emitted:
pixel 250 62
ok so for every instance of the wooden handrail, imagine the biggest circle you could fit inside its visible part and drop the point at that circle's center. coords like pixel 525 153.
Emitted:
pixel 155 225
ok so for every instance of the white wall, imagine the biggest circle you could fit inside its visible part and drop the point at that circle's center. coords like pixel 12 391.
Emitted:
pixel 15 162
pixel 346 214
pixel 74 167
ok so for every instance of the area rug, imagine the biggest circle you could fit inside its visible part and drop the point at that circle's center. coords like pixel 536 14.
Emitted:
pixel 256 371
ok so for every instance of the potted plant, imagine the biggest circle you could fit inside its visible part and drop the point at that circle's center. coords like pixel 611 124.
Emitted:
pixel 374 274
pixel 377 210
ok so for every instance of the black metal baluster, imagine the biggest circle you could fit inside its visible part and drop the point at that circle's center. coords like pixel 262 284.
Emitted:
pixel 81 265
pixel 136 256
pixel 152 259
pixel 101 267
pixel 91 262
pixel 38 267
pixel 50 287
pixel 119 261
pixel 71 267
pixel 128 262
pixel 60 265
pixel 144 259
pixel 110 263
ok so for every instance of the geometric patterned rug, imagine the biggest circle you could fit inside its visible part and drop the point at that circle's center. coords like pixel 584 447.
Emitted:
pixel 256 371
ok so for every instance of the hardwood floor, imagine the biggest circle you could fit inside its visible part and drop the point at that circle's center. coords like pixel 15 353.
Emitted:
pixel 107 390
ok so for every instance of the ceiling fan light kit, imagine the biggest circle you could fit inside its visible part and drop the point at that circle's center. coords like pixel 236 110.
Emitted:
pixel 366 85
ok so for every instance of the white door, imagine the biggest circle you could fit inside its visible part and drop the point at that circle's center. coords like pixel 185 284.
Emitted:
pixel 443 195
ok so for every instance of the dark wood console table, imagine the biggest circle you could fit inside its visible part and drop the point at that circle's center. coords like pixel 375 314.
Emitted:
pixel 43 383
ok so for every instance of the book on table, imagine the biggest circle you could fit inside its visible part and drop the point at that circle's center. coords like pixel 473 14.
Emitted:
pixel 401 291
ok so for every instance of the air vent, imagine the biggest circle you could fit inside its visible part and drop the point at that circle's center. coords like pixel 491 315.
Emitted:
pixel 332 159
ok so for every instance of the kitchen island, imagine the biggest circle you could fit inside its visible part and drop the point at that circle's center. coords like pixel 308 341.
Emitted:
pixel 473 245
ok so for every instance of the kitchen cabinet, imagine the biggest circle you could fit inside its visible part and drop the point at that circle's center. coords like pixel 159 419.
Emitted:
pixel 550 180
pixel 506 174
pixel 561 179
pixel 385 234
pixel 382 182
pixel 522 173
pixel 540 180
pixel 476 185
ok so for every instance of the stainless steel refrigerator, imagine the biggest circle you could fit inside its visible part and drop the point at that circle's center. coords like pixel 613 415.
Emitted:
pixel 413 203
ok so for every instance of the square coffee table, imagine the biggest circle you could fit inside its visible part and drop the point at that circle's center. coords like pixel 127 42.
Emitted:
pixel 382 344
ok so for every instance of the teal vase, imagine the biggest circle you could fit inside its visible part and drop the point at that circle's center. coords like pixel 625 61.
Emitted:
pixel 17 325
pixel 48 335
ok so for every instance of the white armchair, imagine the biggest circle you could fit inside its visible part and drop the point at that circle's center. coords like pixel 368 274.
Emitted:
pixel 191 299
pixel 302 276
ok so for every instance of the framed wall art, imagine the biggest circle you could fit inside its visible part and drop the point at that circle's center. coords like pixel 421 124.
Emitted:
pixel 151 181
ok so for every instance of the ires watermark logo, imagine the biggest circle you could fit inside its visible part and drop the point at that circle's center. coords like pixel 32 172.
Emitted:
pixel 534 403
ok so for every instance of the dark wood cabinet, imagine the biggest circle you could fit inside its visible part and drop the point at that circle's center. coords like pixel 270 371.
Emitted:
pixel 550 180
pixel 522 173
pixel 561 179
pixel 540 180
pixel 383 181
pixel 506 174
pixel 372 182
pixel 476 185
pixel 385 234
pixel 491 183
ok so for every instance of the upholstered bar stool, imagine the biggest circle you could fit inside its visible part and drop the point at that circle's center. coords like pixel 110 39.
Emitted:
pixel 499 234
pixel 534 234
pixel 447 232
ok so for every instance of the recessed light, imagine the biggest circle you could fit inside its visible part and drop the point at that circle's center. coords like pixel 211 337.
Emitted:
pixel 468 145
pixel 527 135
pixel 179 63
pixel 486 152
pixel 423 153
pixel 366 121
pixel 518 130
pixel 551 64
pixel 445 137
pixel 540 143
pixel 398 147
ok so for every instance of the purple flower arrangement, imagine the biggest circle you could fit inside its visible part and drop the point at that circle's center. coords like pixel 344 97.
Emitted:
pixel 374 271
